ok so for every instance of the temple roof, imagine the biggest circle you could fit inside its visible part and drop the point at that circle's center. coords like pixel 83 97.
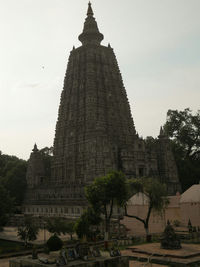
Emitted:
pixel 90 34
pixel 138 199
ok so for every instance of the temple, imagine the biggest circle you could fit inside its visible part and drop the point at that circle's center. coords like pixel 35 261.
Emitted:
pixel 95 134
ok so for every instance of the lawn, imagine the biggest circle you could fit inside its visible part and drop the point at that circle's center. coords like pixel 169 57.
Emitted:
pixel 10 246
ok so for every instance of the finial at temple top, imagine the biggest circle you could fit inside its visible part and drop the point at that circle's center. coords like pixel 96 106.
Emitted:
pixel 90 11
pixel 90 34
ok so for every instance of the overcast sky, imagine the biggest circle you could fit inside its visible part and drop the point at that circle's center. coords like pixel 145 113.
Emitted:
pixel 156 42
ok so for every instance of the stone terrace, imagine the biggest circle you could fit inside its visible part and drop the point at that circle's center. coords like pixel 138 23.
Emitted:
pixel 189 254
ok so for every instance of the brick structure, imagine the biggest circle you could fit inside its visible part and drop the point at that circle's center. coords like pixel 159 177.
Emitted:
pixel 95 133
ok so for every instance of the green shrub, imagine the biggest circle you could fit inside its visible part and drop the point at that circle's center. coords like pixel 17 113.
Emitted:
pixel 54 243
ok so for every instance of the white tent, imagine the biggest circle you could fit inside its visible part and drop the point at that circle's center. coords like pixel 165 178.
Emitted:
pixel 192 195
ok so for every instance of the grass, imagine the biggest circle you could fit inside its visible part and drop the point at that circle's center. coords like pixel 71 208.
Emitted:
pixel 11 246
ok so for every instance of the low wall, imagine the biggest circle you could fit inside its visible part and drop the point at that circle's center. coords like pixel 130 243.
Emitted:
pixel 109 262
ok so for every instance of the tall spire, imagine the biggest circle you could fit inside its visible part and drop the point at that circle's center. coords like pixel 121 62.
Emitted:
pixel 90 34
pixel 90 11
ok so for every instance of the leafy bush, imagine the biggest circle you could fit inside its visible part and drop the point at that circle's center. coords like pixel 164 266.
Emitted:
pixel 54 243
pixel 29 231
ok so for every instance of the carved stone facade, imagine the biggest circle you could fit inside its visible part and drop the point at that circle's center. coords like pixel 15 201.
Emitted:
pixel 95 132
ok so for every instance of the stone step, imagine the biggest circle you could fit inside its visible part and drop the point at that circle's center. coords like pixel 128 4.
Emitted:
pixel 165 260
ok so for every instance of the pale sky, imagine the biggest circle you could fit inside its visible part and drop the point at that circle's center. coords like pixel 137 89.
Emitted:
pixel 156 42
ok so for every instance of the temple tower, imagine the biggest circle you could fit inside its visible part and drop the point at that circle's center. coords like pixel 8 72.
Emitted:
pixel 94 124
pixel 95 134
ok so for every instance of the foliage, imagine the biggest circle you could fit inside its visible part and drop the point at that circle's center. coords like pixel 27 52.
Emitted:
pixel 54 243
pixel 13 176
pixel 83 225
pixel 29 231
pixel 6 206
pixel 54 225
pixel 156 194
pixel 57 225
pixel 70 229
pixel 184 129
pixel 15 182
pixel 106 191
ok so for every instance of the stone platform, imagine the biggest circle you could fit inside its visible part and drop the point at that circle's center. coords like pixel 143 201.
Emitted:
pixel 186 256
pixel 103 260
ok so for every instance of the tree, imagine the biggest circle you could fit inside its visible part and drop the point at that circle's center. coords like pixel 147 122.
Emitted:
pixel 13 176
pixel 29 231
pixel 157 198
pixel 55 225
pixel 82 227
pixel 58 226
pixel 6 206
pixel 104 193
pixel 184 129
pixel 15 182
pixel 70 229
pixel 88 219
pixel 54 243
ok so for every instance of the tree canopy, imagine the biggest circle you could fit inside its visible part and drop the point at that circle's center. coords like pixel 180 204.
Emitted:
pixel 58 226
pixel 13 176
pixel 88 219
pixel 184 129
pixel 106 191
pixel 6 206
pixel 29 231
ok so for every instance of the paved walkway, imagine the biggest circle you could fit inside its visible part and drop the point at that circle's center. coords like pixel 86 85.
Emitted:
pixel 143 264
pixel 5 262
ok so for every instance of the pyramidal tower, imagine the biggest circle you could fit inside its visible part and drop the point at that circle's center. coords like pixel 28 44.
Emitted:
pixel 94 122
pixel 95 131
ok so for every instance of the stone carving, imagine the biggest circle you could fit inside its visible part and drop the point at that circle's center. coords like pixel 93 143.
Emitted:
pixel 170 240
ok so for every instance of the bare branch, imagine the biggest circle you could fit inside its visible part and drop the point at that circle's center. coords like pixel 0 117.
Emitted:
pixel 133 216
